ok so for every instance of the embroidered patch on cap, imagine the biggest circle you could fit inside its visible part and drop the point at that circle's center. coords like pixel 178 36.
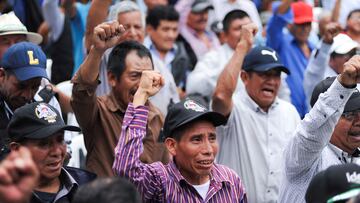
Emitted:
pixel 44 112
pixel 190 104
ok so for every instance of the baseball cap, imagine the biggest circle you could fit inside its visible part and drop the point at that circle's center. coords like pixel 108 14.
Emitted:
pixel 343 44
pixel 351 105
pixel 336 183
pixel 261 59
pixel 11 25
pixel 26 60
pixel 302 12
pixel 36 121
pixel 201 5
pixel 186 112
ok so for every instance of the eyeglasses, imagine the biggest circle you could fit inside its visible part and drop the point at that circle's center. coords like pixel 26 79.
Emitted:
pixel 351 115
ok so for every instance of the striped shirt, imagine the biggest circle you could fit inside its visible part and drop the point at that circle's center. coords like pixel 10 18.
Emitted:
pixel 164 183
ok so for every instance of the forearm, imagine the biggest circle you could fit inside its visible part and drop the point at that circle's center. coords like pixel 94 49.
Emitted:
pixel 336 11
pixel 89 69
pixel 97 14
pixel 226 84
pixel 284 6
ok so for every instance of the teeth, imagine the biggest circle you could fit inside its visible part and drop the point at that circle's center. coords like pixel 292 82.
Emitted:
pixel 205 162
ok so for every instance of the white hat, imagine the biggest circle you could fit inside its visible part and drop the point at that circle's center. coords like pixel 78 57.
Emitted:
pixel 10 25
pixel 343 44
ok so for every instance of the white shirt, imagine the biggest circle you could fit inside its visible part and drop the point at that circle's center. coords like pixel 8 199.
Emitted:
pixel 252 143
pixel 202 189
pixel 309 151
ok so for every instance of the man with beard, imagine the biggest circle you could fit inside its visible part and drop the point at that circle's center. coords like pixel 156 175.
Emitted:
pixel 101 117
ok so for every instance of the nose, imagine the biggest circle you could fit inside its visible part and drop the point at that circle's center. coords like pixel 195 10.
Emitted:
pixel 57 149
pixel 207 148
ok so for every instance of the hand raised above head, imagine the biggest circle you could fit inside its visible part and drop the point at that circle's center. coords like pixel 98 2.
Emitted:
pixel 331 30
pixel 351 73
pixel 248 33
pixel 108 34
pixel 150 83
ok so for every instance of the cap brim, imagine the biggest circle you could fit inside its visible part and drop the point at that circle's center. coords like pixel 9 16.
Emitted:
pixel 31 36
pixel 346 48
pixel 269 66
pixel 214 117
pixel 353 103
pixel 50 130
pixel 199 9
pixel 26 73
pixel 303 20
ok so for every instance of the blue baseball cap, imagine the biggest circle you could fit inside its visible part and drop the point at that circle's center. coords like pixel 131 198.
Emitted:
pixel 26 60
pixel 261 59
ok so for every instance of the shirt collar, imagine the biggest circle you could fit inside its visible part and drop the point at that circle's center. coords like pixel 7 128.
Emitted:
pixel 112 103
pixel 216 176
pixel 342 154
pixel 254 106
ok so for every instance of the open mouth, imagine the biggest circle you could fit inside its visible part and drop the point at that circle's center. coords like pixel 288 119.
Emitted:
pixel 268 92
pixel 205 163
pixel 54 165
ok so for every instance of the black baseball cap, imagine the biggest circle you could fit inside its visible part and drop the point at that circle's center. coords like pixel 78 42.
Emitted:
pixel 36 121
pixel 352 104
pixel 336 183
pixel 186 112
pixel 200 6
pixel 261 59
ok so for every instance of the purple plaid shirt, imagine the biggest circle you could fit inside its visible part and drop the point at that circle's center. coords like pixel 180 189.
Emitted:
pixel 164 183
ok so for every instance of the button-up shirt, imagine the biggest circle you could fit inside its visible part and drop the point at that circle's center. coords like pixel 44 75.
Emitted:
pixel 291 55
pixel 164 183
pixel 309 151
pixel 252 143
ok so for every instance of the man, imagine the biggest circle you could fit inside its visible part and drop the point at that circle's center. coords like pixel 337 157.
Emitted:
pixel 162 24
pixel 22 68
pixel 190 137
pixel 293 47
pixel 328 60
pixel 328 135
pixel 353 25
pixel 259 123
pixel 100 117
pixel 39 127
pixel 337 183
pixel 197 38
pixel 202 80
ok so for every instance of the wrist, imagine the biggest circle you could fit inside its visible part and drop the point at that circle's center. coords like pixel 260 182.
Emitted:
pixel 140 98
pixel 341 80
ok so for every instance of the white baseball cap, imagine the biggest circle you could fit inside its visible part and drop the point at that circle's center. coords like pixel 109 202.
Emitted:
pixel 11 25
pixel 343 44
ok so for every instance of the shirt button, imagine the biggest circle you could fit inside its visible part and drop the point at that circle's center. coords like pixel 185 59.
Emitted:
pixel 324 115
pixel 341 96
pixel 268 191
pixel 271 172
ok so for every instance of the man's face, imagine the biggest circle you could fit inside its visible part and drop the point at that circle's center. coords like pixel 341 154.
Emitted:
pixel 337 61
pixel 195 151
pixel 164 35
pixel 262 87
pixel 353 23
pixel 126 86
pixel 132 22
pixel 233 35
pixel 152 3
pixel 301 32
pixel 347 132
pixel 17 93
pixel 198 21
pixel 48 154
pixel 7 40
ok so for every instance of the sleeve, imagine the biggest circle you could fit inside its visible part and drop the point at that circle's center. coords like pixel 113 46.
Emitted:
pixel 84 103
pixel 54 17
pixel 315 70
pixel 315 130
pixel 127 153
pixel 274 29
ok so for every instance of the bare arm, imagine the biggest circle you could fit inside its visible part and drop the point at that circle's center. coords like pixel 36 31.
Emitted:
pixel 226 84
pixel 284 6
pixel 97 14
pixel 336 11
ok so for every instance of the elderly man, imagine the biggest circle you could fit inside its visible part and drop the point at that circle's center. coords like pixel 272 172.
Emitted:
pixel 293 46
pixel 190 137
pixel 39 127
pixel 328 135
pixel 259 124
pixel 101 117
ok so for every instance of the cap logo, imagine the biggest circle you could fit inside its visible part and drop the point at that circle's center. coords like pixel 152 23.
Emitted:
pixel 32 60
pixel 271 53
pixel 353 178
pixel 44 112
pixel 190 104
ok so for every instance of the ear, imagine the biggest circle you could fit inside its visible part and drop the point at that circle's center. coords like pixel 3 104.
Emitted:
pixel 2 74
pixel 14 146
pixel 111 79
pixel 171 145
pixel 244 76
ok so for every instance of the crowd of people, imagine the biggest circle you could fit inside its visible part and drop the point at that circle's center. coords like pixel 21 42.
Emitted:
pixel 180 101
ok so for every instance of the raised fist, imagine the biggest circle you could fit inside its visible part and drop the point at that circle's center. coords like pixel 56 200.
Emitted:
pixel 351 73
pixel 108 34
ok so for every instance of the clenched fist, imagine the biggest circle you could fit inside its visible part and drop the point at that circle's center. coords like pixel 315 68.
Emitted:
pixel 351 73
pixel 150 83
pixel 108 34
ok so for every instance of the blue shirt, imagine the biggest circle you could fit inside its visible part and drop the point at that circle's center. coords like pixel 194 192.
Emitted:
pixel 291 55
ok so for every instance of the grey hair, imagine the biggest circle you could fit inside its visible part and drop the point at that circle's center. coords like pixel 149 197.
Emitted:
pixel 122 7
